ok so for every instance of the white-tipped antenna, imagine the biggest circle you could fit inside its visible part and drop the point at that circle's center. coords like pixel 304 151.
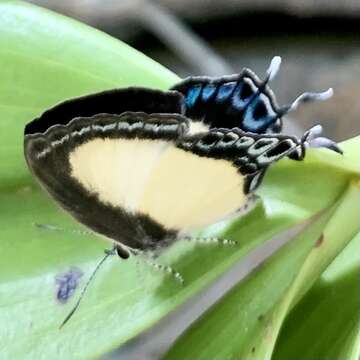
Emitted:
pixel 309 97
pixel 312 139
pixel 273 68
pixel 314 132
pixel 71 313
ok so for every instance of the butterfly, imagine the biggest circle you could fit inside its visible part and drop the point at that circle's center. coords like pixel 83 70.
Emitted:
pixel 145 167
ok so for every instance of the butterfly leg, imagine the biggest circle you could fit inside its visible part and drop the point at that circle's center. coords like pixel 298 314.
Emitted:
pixel 50 227
pixel 210 240
pixel 168 269
pixel 164 268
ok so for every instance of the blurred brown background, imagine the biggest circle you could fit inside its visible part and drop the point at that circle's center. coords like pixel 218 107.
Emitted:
pixel 318 40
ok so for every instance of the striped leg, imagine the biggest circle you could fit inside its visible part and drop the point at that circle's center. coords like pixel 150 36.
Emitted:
pixel 210 240
pixel 50 227
pixel 161 267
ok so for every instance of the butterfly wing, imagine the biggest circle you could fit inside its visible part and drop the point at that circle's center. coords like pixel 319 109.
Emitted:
pixel 52 138
pixel 237 101
pixel 96 168
pixel 140 178
pixel 209 176
pixel 117 101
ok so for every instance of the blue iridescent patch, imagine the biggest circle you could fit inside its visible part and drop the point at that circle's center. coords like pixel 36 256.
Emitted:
pixel 241 96
pixel 256 118
pixel 232 101
pixel 208 91
pixel 192 96
pixel 225 90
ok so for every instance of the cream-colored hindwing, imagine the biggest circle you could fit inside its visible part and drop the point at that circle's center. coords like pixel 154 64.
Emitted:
pixel 117 170
pixel 176 188
pixel 186 191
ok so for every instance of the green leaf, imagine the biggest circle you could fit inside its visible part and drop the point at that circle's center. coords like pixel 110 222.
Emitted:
pixel 246 322
pixel 326 323
pixel 46 58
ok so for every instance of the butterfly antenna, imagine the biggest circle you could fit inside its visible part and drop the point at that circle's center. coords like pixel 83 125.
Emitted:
pixel 273 68
pixel 71 313
pixel 312 139
pixel 307 97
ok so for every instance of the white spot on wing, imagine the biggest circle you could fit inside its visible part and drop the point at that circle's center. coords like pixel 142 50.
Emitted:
pixel 197 127
pixel 81 132
pixel 43 153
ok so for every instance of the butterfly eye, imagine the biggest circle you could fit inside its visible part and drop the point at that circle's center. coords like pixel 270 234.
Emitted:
pixel 122 253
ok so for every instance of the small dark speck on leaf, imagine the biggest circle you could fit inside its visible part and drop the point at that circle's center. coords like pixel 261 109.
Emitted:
pixel 253 349
pixel 320 240
pixel 261 317
pixel 66 284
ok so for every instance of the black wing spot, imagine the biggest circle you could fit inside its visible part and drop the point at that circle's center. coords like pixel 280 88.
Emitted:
pixel 260 111
pixel 245 141
pixel 281 148
pixel 262 142
pixel 276 127
pixel 246 91
pixel 228 138
pixel 210 139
